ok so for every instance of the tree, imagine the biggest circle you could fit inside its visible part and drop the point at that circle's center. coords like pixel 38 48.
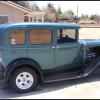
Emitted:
pixel 92 17
pixel 51 8
pixel 35 7
pixel 51 13
pixel 95 18
pixel 58 12
pixel 83 17
pixel 50 5
pixel 22 3
pixel 67 14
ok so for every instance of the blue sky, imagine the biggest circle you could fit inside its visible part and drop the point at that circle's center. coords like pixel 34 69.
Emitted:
pixel 85 7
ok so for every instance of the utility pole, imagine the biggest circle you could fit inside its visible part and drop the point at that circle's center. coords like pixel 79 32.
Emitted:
pixel 77 10
pixel 77 13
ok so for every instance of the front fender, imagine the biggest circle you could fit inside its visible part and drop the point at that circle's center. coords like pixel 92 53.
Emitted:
pixel 91 68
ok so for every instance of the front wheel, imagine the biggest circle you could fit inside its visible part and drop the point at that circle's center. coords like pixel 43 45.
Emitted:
pixel 24 79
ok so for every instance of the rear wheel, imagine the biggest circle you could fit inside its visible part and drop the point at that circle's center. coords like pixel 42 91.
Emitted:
pixel 24 79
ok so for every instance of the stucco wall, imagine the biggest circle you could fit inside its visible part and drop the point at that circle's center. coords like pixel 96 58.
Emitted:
pixel 14 14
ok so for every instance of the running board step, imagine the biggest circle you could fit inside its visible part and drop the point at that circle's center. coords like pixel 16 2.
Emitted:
pixel 61 76
pixel 84 71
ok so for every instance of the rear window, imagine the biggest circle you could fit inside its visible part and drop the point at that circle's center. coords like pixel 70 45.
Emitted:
pixel 40 36
pixel 17 37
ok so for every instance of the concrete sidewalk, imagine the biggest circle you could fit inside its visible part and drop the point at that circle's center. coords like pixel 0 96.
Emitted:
pixel 82 91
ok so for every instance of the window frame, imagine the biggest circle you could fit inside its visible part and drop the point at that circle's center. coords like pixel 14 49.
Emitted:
pixel 76 37
pixel 18 44
pixel 41 29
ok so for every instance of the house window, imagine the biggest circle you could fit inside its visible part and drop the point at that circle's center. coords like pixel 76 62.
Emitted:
pixel 31 19
pixel 17 37
pixel 26 19
pixel 3 19
pixel 40 36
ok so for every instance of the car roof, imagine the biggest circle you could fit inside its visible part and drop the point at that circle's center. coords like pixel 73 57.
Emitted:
pixel 39 25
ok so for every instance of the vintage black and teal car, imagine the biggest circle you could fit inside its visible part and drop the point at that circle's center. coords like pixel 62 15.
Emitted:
pixel 31 53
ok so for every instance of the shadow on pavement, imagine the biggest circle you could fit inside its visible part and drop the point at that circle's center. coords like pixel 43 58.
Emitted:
pixel 7 92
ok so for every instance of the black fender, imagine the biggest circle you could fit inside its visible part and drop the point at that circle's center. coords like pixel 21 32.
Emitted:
pixel 89 69
pixel 23 61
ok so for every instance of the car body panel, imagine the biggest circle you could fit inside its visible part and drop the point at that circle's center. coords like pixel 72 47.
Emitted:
pixel 90 42
pixel 47 56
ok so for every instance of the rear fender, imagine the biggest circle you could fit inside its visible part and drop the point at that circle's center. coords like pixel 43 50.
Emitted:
pixel 22 61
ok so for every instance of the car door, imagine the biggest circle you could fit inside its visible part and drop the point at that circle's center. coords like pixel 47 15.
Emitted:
pixel 40 47
pixel 67 47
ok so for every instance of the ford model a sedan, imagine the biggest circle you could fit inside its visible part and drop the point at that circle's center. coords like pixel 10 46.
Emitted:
pixel 31 53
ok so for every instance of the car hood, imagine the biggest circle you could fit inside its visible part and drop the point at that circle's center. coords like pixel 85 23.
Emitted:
pixel 90 42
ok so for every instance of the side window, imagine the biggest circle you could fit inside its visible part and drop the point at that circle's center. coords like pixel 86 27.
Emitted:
pixel 66 36
pixel 17 37
pixel 40 36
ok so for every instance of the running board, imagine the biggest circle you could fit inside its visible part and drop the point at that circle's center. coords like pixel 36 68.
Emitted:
pixel 83 72
pixel 61 76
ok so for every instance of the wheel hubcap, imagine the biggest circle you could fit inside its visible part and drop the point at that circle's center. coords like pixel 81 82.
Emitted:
pixel 24 80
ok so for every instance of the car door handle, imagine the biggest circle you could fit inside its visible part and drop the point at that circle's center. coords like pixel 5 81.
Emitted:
pixel 53 47
pixel 57 47
pixel 65 47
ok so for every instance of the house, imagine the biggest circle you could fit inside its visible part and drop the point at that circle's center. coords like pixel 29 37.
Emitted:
pixel 11 12
pixel 35 16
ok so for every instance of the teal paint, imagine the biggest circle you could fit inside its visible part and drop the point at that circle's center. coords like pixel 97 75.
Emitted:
pixel 47 56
